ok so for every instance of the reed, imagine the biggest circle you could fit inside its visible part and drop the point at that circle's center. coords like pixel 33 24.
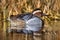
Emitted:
pixel 14 7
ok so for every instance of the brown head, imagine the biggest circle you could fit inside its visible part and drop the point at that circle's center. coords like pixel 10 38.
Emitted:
pixel 38 12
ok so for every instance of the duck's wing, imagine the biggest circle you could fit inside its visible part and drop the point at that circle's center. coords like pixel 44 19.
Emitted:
pixel 27 17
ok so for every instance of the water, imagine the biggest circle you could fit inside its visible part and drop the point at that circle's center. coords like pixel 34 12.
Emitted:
pixel 52 35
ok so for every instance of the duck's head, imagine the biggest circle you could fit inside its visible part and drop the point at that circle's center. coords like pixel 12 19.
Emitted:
pixel 38 12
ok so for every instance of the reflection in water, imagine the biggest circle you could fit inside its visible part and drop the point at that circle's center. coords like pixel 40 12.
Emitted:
pixel 19 36
pixel 12 36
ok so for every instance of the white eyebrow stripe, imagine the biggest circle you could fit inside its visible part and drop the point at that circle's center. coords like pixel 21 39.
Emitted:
pixel 36 11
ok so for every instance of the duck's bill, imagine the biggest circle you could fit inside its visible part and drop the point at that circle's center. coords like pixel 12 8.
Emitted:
pixel 44 14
